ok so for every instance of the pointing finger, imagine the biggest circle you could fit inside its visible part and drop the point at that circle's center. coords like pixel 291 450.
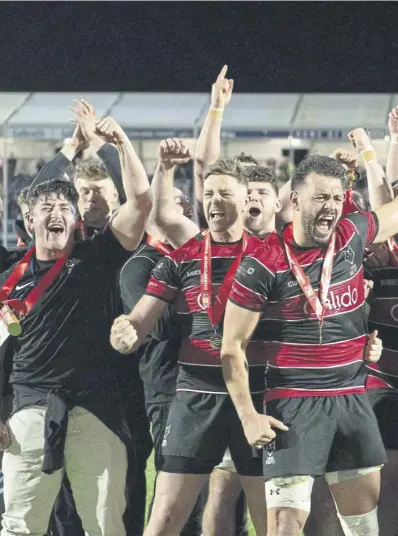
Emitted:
pixel 223 72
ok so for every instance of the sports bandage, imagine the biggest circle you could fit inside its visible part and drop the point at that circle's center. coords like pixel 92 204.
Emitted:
pixel 289 492
pixel 363 525
pixel 216 112
pixel 337 477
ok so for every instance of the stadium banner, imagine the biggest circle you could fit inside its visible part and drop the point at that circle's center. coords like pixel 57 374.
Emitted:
pixel 54 132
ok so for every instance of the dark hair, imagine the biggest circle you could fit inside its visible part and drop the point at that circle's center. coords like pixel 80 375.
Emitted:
pixel 246 159
pixel 226 166
pixel 23 197
pixel 261 174
pixel 322 165
pixel 57 187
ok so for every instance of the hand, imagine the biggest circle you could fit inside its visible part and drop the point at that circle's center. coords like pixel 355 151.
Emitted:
pixel 393 121
pixel 221 90
pixel 123 335
pixel 5 440
pixel 109 130
pixel 373 348
pixel 360 139
pixel 77 141
pixel 173 152
pixel 258 429
pixel 85 118
pixel 347 159
pixel 367 286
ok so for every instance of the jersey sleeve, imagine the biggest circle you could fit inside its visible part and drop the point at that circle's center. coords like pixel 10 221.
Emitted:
pixel 367 226
pixel 164 283
pixel 252 284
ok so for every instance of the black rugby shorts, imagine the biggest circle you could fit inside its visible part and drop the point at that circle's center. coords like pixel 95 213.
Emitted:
pixel 385 406
pixel 199 429
pixel 326 434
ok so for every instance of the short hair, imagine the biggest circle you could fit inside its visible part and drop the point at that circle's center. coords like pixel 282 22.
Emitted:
pixel 23 197
pixel 57 187
pixel 226 166
pixel 261 174
pixel 92 169
pixel 322 165
pixel 246 159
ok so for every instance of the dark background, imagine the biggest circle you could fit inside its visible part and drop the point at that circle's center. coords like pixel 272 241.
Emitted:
pixel 180 46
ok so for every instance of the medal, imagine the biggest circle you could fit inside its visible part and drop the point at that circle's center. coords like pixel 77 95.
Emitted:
pixel 318 305
pixel 12 311
pixel 216 309
pixel 393 247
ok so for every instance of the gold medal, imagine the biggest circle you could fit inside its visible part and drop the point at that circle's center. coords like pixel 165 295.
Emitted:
pixel 216 342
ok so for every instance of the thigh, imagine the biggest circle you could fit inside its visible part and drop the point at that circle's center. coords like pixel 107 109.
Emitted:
pixel 385 406
pixel 196 432
pixel 29 494
pixel 158 414
pixel 357 443
pixel 304 449
pixel 96 463
pixel 248 461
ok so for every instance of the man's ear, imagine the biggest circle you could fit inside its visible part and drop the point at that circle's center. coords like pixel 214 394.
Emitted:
pixel 294 199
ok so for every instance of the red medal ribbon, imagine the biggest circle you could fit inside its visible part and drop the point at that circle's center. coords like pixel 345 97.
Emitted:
pixel 161 247
pixel 318 305
pixel 23 307
pixel 216 310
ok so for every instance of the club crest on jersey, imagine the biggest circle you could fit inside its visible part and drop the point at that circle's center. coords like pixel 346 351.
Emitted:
pixel 334 301
pixel 269 449
pixel 349 255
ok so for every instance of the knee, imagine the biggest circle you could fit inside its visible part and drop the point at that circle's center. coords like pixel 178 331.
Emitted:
pixel 224 489
pixel 288 522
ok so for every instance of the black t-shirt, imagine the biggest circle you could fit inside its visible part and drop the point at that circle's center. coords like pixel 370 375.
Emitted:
pixel 9 257
pixel 158 356
pixel 65 338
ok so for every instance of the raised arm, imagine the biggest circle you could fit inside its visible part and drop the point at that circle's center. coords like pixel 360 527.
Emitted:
pixel 174 226
pixel 130 331
pixel 239 325
pixel 392 157
pixel 380 191
pixel 208 146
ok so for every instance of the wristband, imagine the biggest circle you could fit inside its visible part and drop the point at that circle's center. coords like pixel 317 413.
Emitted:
pixel 216 112
pixel 369 155
pixel 394 138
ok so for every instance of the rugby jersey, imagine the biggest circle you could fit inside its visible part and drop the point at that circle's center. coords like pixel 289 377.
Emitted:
pixel 177 279
pixel 382 267
pixel 297 364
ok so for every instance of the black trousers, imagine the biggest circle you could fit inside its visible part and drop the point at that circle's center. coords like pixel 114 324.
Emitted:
pixel 158 413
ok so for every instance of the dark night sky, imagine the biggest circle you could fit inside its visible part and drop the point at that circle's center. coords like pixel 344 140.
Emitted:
pixel 180 46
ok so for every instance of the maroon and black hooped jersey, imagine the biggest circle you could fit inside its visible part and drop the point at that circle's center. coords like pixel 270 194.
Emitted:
pixel 298 365
pixel 381 267
pixel 177 279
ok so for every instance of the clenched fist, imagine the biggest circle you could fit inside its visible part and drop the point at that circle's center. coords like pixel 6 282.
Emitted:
pixel 373 348
pixel 360 139
pixel 110 131
pixel 347 159
pixel 173 152
pixel 393 121
pixel 258 429
pixel 221 91
pixel 123 335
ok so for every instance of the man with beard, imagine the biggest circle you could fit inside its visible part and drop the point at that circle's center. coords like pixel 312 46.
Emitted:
pixel 201 423
pixel 63 368
pixel 315 346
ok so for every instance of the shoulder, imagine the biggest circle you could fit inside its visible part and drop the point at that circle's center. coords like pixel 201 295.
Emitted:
pixel 187 251
pixel 267 253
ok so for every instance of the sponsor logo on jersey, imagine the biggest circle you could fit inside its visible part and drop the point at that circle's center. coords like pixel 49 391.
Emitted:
pixel 335 301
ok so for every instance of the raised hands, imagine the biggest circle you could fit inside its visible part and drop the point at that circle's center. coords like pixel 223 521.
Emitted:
pixel 173 152
pixel 360 139
pixel 110 130
pixel 85 118
pixel 221 91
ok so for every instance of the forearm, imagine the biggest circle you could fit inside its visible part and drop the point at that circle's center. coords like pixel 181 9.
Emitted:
pixel 110 157
pixel 380 191
pixel 286 213
pixel 175 227
pixel 236 376
pixel 55 168
pixel 208 148
pixel 134 178
pixel 392 159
